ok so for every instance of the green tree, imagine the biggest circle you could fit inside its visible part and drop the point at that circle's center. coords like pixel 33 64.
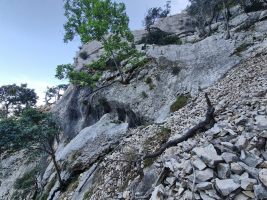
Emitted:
pixel 14 98
pixel 33 130
pixel 102 20
pixel 40 130
pixel 53 94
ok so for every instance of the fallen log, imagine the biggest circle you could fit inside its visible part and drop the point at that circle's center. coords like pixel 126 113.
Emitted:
pixel 200 127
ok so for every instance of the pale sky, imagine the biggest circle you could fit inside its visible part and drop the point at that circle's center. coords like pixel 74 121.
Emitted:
pixel 31 38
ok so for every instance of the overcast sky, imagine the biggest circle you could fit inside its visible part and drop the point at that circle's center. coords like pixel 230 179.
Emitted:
pixel 31 38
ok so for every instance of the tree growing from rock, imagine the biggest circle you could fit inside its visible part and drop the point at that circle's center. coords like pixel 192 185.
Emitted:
pixel 14 98
pixel 33 130
pixel 53 94
pixel 102 20
pixel 40 130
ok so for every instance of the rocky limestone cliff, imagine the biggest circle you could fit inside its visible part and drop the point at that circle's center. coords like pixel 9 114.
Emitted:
pixel 110 128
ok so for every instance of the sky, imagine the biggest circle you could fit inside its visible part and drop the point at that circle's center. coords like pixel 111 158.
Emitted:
pixel 31 38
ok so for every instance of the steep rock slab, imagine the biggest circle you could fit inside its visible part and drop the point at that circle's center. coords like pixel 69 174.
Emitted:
pixel 205 61
pixel 91 143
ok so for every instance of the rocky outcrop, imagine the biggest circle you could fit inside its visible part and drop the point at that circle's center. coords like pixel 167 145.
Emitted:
pixel 111 129
pixel 177 24
pixel 192 169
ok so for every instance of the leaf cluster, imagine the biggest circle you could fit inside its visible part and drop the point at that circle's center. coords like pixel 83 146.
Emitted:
pixel 14 98
pixel 33 129
pixel 94 19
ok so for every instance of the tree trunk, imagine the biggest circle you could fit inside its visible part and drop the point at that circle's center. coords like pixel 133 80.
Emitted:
pixel 61 183
pixel 211 20
pixel 117 66
pixel 115 62
pixel 226 18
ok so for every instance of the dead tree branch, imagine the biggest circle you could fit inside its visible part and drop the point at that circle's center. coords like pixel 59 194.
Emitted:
pixel 201 127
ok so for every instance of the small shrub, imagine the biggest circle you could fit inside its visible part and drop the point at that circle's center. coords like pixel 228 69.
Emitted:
pixel 144 94
pixel 44 195
pixel 176 70
pixel 26 181
pixel 87 195
pixel 243 47
pixel 83 55
pixel 180 102
pixel 149 80
pixel 160 138
pixel 149 161
pixel 159 37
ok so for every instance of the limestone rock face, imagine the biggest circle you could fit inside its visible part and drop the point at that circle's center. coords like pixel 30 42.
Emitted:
pixel 91 142
pixel 112 129
pixel 178 24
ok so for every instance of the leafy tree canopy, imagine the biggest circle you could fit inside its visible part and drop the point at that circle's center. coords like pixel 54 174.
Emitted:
pixel 14 98
pixel 94 19
pixel 102 20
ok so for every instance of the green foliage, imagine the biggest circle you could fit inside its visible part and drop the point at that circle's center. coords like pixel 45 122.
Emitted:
pixel 87 195
pixel 63 71
pixel 180 102
pixel 14 99
pixel 102 20
pixel 25 184
pixel 83 78
pixel 31 129
pixel 9 134
pixel 144 94
pixel 157 140
pixel 149 81
pixel 53 94
pixel 44 195
pixel 94 19
pixel 241 48
pixel 159 37
pixel 27 180
pixel 83 55
pixel 176 70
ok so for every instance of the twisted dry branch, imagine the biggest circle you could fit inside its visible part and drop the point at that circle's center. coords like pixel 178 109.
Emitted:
pixel 200 127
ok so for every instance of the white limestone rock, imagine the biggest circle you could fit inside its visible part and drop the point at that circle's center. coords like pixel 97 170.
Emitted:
pixel 226 186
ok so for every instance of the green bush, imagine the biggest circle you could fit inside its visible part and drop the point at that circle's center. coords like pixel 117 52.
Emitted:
pixel 176 70
pixel 87 195
pixel 83 55
pixel 149 80
pixel 157 36
pixel 180 102
pixel 26 181
pixel 243 47
pixel 144 94
pixel 44 195
pixel 158 139
pixel 84 79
